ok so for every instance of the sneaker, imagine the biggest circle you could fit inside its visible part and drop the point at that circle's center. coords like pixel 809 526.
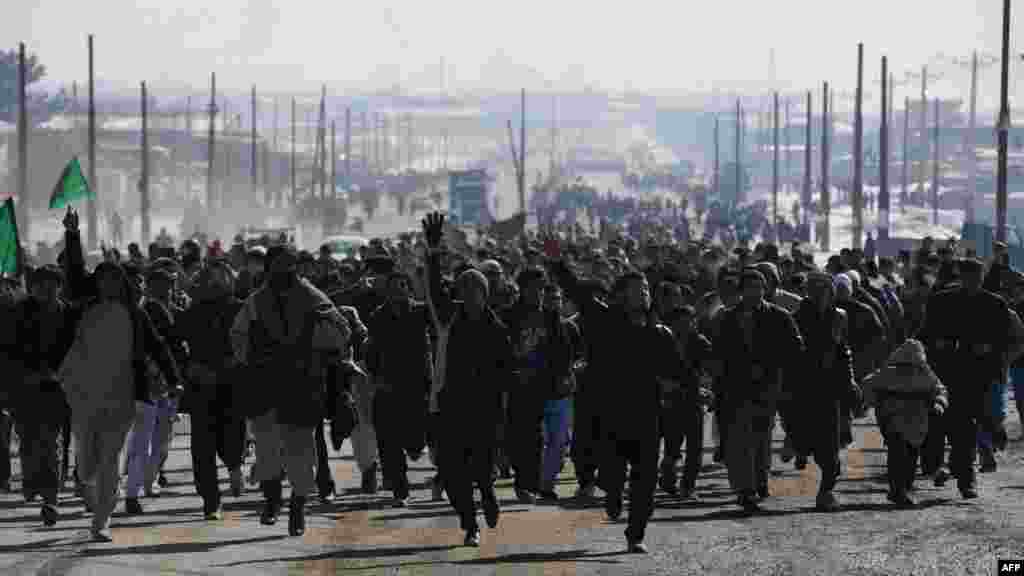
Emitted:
pixel 525 496
pixel 472 538
pixel 548 495
pixel 635 547
pixel 153 491
pixel 613 508
pixel 101 535
pixel 370 480
pixel 236 482
pixel 132 507
pixel 586 492
pixel 49 515
pixel 827 503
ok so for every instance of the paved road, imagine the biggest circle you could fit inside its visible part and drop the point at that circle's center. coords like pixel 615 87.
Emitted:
pixel 363 535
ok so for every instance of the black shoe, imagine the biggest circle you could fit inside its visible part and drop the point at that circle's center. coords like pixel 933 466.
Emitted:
pixel 635 547
pixel 800 462
pixel 269 515
pixel 472 538
pixel 718 456
pixel 762 492
pixel 49 515
pixel 613 507
pixel 668 486
pixel 969 493
pixel 749 505
pixel 525 496
pixel 827 502
pixel 297 516
pixel 941 476
pixel 491 509
pixel 901 499
pixel 132 507
pixel 370 480
pixel 548 495
pixel 271 501
pixel 162 481
pixel 327 496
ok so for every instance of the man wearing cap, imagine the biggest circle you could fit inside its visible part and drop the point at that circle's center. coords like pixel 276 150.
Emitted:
pixel 967 333
pixel 284 333
pixel 756 341
pixel 398 359
pixel 45 333
pixel 153 428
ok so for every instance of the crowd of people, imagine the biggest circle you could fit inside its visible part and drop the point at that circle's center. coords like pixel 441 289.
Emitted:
pixel 501 359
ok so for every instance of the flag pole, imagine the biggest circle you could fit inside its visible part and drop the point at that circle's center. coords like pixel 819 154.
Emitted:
pixel 91 202
pixel 23 202
pixel 144 181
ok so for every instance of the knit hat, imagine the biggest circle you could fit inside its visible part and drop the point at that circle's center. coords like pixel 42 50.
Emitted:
pixel 475 278
pixel 844 281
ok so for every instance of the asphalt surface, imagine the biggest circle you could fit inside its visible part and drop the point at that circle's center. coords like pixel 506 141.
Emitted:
pixel 363 534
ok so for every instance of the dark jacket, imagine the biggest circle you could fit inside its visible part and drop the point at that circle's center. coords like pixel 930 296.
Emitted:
pixel 967 338
pixel 628 362
pixel 44 336
pixel 866 337
pixel 558 350
pixel 776 345
pixel 478 364
pixel 398 352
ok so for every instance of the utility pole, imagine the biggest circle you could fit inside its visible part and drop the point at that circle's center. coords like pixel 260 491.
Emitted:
pixel 188 156
pixel 789 150
pixel 252 139
pixel 522 157
pixel 292 163
pixel 348 147
pixel 91 203
pixel 883 156
pixel 858 155
pixel 775 170
pixel 144 181
pixel 1004 128
pixel 24 213
pixel 714 177
pixel 805 198
pixel 322 135
pixel 826 192
pixel 334 163
pixel 935 170
pixel 970 147
pixel 211 143
pixel 905 192
pixel 277 180
pixel 739 169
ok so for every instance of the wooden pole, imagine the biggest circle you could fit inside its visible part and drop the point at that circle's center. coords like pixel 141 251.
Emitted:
pixel 739 157
pixel 23 205
pixel 826 192
pixel 292 163
pixel 522 156
pixel 322 132
pixel 858 155
pixel 935 169
pixel 252 145
pixel 188 156
pixel 334 164
pixel 805 198
pixel 714 177
pixel 144 181
pixel 789 151
pixel 211 143
pixel 905 192
pixel 775 168
pixel 883 157
pixel 92 236
pixel 1004 129
pixel 348 146
pixel 278 188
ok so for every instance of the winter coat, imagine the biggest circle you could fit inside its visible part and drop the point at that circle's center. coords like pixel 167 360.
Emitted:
pixel 904 392
pixel 558 351
pixel 45 334
pixel 284 340
pixel 398 352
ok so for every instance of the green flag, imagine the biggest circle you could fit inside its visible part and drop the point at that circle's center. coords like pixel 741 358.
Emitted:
pixel 71 186
pixel 10 247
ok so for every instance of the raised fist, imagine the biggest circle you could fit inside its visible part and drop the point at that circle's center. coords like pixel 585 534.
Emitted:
pixel 71 220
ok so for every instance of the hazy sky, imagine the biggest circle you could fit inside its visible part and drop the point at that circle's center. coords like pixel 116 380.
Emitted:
pixel 659 46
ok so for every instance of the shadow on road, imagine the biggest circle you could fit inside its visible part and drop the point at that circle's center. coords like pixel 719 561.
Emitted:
pixel 737 514
pixel 177 547
pixel 40 545
pixel 347 555
pixel 541 557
